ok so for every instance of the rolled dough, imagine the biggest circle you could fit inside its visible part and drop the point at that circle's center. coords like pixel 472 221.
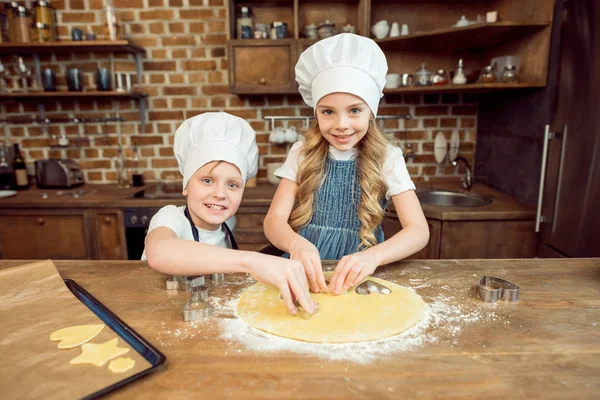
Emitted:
pixel 340 319
pixel 121 364
pixel 74 336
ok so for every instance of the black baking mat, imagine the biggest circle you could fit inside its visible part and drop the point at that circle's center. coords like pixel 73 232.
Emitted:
pixel 135 340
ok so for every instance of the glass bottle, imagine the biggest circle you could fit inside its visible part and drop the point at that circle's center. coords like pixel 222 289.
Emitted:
pixel 112 28
pixel 459 76
pixel 137 175
pixel 21 180
pixel 122 170
pixel 6 176
pixel 21 25
pixel 488 75
pixel 510 75
pixel 244 24
pixel 423 76
pixel 44 13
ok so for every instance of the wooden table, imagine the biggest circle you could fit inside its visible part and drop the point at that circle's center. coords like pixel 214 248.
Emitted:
pixel 547 345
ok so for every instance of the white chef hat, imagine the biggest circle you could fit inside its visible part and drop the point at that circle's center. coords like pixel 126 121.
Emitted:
pixel 215 136
pixel 346 63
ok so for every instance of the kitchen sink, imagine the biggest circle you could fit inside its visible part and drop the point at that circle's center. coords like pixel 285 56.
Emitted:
pixel 453 199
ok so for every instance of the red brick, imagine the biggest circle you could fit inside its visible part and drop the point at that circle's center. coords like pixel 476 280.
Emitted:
pixel 77 17
pixel 179 41
pixel 245 114
pixel 199 65
pixel 157 27
pixel 89 164
pixel 166 152
pixel 179 103
pixel 164 163
pixel 177 27
pixel 430 123
pixel 160 15
pixel 156 3
pixel 448 122
pixel 467 122
pixel 175 3
pixel 74 5
pixel 160 66
pixel 145 140
pixel 464 110
pixel 129 3
pixel 198 15
pixel 179 53
pixel 197 27
pixel 215 89
pixel 431 110
pixel 165 115
pixel 209 40
pixel 179 91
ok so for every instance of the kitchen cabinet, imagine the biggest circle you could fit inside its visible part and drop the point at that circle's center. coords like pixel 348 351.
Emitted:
pixel 523 29
pixel 472 239
pixel 62 234
pixel 249 233
pixel 49 234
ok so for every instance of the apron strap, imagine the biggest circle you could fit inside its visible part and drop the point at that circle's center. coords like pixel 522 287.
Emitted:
pixel 228 232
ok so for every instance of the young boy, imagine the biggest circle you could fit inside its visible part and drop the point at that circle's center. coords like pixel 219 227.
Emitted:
pixel 216 153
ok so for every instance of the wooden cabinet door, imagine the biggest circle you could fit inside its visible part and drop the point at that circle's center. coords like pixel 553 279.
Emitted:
pixel 110 236
pixel 391 226
pixel 56 235
pixel 261 66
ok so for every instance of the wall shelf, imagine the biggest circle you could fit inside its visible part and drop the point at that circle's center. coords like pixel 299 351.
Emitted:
pixel 469 88
pixel 469 37
pixel 40 96
pixel 69 46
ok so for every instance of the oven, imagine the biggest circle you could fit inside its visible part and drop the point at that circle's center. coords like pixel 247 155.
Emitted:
pixel 137 221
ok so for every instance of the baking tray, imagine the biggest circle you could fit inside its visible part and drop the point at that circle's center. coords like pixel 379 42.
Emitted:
pixel 135 340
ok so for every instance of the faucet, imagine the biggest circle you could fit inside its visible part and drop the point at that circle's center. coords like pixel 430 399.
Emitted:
pixel 467 180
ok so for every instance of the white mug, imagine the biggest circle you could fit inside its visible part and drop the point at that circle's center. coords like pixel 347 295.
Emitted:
pixel 404 31
pixel 392 81
pixel 290 135
pixel 277 135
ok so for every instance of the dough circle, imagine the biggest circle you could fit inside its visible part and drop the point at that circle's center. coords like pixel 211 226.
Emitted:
pixel 340 319
pixel 121 364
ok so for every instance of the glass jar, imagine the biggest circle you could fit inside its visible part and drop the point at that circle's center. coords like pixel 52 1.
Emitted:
pixel 488 75
pixel 44 13
pixel 41 33
pixel 112 28
pixel 10 20
pixel 510 75
pixel 422 76
pixel 21 25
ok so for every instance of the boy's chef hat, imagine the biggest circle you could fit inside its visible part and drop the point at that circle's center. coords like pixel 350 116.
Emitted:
pixel 215 136
pixel 346 63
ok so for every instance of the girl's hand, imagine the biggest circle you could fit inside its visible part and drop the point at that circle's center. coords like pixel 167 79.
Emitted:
pixel 351 270
pixel 305 252
pixel 289 277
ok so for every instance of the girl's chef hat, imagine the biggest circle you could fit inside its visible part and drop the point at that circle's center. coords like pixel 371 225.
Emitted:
pixel 215 136
pixel 346 63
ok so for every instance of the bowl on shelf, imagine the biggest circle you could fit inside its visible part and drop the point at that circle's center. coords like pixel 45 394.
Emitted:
pixel 471 74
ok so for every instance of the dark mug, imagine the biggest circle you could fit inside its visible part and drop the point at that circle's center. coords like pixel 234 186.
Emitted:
pixel 103 79
pixel 48 80
pixel 74 79
pixel 76 34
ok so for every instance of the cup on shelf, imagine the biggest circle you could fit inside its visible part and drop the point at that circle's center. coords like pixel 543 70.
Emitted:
pixel 404 30
pixel 395 31
pixel 103 79
pixel 392 81
pixel 74 79
pixel 76 34
pixel 48 80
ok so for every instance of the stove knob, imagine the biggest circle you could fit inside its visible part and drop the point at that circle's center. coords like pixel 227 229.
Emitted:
pixel 134 219
pixel 144 219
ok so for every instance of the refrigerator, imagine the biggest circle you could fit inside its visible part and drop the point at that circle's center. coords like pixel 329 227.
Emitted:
pixel 543 146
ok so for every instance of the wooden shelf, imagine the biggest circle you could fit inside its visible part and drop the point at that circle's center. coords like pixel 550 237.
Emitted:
pixel 469 88
pixel 69 46
pixel 469 37
pixel 41 96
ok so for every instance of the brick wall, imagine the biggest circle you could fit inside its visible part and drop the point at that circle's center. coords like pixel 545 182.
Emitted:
pixel 185 73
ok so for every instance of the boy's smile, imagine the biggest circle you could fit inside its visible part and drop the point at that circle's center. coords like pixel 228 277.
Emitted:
pixel 214 194
pixel 343 119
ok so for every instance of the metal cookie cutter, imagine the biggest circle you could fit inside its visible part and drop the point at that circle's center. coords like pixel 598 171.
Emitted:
pixel 492 289
pixel 184 283
pixel 197 308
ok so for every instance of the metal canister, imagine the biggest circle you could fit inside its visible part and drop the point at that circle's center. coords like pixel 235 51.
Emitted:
pixel 44 13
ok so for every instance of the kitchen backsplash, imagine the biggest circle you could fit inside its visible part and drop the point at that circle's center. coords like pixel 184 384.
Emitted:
pixel 185 74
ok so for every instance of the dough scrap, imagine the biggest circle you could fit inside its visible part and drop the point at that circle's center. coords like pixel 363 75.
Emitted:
pixel 341 319
pixel 99 354
pixel 121 364
pixel 74 336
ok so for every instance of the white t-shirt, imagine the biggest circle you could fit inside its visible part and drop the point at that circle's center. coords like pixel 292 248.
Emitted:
pixel 174 218
pixel 394 168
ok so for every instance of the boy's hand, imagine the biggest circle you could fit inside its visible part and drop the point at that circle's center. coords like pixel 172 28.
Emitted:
pixel 305 252
pixel 289 277
pixel 351 270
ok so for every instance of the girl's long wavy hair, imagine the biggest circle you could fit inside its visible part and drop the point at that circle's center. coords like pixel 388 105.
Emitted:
pixel 372 150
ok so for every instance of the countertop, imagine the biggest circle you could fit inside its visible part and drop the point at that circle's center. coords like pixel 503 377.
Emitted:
pixel 503 206
pixel 546 345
